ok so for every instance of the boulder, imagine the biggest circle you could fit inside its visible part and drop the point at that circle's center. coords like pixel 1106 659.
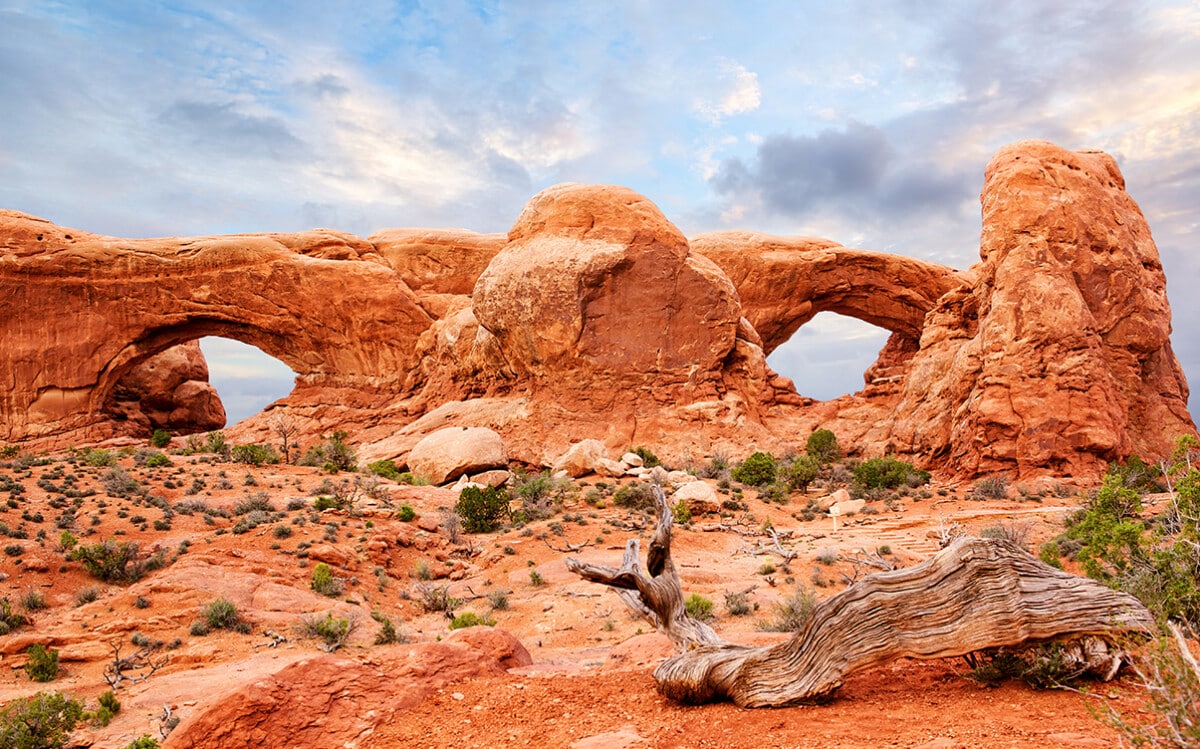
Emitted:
pixel 449 453
pixel 701 498
pixel 633 460
pixel 581 458
pixel 847 507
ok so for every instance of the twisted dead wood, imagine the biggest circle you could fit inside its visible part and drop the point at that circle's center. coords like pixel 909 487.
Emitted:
pixel 976 594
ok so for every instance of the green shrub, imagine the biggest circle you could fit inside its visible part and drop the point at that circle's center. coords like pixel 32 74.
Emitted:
pixel 801 471
pixel 324 582
pixel 649 459
pixel 254 454
pixel 681 511
pixel 9 618
pixel 98 458
pixel 385 468
pixel 635 496
pixel 436 598
pixel 823 445
pixel 698 607
pixel 145 741
pixel 756 470
pixel 160 438
pixel 334 452
pixel 158 460
pixel 221 613
pixel 257 502
pixel 42 664
pixel 333 631
pixel 793 613
pixel 107 709
pixel 43 721
pixel 387 631
pixel 110 561
pixel 482 510
pixel 406 513
pixel 471 619
pixel 887 473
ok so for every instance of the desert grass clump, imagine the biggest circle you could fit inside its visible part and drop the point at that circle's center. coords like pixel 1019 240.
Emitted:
pixel 471 619
pixel 698 607
pixel 793 613
pixel 333 631
pixel 324 582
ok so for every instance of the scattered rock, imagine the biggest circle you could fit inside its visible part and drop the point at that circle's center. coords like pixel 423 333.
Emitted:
pixel 581 458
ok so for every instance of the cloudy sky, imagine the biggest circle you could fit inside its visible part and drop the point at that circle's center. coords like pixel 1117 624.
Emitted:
pixel 867 122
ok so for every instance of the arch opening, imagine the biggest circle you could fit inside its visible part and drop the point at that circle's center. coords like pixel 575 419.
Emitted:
pixel 830 355
pixel 246 378
pixel 197 377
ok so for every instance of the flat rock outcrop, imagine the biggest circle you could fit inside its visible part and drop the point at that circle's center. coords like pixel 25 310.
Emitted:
pixel 595 318
pixel 326 701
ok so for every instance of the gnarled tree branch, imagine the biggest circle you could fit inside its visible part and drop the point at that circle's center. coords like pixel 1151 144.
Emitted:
pixel 974 595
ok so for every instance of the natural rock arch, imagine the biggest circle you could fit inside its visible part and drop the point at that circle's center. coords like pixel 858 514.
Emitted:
pixel 322 302
pixel 783 282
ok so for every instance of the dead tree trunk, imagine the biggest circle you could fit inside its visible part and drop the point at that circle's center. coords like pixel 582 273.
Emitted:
pixel 974 595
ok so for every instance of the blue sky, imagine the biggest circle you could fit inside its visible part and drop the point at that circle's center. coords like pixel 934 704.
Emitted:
pixel 865 122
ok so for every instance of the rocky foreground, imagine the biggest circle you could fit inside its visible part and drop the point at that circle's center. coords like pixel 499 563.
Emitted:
pixel 566 664
pixel 595 318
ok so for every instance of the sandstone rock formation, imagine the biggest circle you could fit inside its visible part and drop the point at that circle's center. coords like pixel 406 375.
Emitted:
pixel 455 451
pixel 170 391
pixel 595 318
pixel 330 701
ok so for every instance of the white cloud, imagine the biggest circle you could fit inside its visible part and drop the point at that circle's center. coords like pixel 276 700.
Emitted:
pixel 738 93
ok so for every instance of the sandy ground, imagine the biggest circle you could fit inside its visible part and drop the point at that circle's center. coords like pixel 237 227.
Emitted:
pixel 590 685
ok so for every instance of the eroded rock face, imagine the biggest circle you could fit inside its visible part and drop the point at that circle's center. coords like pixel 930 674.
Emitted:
pixel 327 701
pixel 595 282
pixel 594 318
pixel 170 391
pixel 1060 360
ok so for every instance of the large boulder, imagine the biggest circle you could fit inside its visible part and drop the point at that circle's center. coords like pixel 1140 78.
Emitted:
pixel 581 458
pixel 451 452
pixel 592 285
pixel 170 391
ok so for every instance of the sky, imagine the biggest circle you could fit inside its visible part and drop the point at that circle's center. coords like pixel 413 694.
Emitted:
pixel 868 122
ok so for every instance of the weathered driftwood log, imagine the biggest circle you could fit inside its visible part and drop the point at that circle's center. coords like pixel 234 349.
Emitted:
pixel 974 595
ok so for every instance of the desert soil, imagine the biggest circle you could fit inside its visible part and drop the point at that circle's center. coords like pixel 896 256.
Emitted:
pixel 590 684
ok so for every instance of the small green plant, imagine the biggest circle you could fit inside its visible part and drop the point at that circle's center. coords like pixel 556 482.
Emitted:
pixel 823 445
pixel 385 468
pixel 43 721
pixel 9 618
pixel 635 496
pixel 221 613
pixel 324 582
pixel 887 473
pixel 757 470
pixel 482 510
pixel 158 460
pixel 42 664
pixel 649 459
pixel 698 607
pixel 333 631
pixel 406 513
pixel 792 613
pixel 737 604
pixel 471 619
pixel 145 741
pixel 535 579
pixel 681 511
pixel 111 561
pixel 387 631
pixel 160 438
pixel 105 711
pixel 332 455
pixel 498 600
pixel 254 454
